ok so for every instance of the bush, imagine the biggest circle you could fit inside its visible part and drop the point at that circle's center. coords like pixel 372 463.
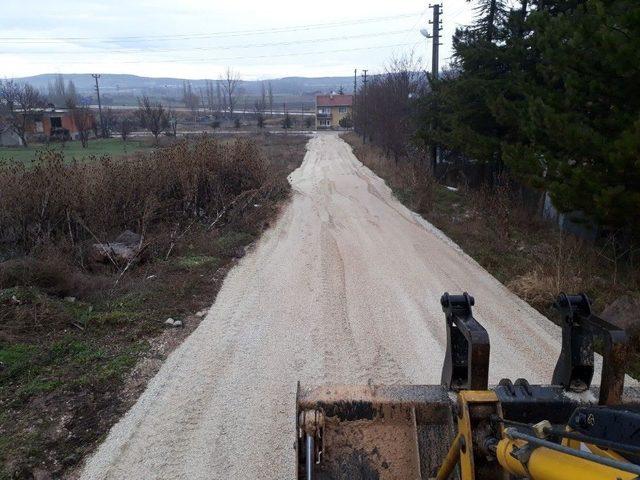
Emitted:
pixel 346 122
pixel 49 201
pixel 287 121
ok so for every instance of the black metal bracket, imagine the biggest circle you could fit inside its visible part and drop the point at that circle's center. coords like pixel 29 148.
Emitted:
pixel 575 367
pixel 466 362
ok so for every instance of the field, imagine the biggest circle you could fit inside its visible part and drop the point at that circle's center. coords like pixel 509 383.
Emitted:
pixel 73 150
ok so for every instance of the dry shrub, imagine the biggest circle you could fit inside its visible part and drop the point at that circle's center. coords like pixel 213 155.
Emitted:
pixel 567 264
pixel 50 201
pixel 424 187
pixel 49 273
pixel 410 179
pixel 497 205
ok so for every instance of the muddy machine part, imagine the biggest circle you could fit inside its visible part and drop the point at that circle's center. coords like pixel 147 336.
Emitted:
pixel 464 429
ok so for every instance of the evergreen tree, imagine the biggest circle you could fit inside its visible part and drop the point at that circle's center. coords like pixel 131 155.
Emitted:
pixel 585 122
pixel 490 15
pixel 550 89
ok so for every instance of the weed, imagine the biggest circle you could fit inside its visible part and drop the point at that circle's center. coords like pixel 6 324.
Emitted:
pixel 230 241
pixel 197 261
pixel 15 360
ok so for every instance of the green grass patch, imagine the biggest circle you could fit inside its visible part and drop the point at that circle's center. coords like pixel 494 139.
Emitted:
pixel 229 241
pixel 19 294
pixel 67 363
pixel 197 261
pixel 16 360
pixel 73 150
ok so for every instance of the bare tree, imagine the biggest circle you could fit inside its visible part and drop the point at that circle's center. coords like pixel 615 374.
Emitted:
pixel 221 98
pixel 211 98
pixel 20 102
pixel 125 126
pixel 387 107
pixel 152 116
pixel 110 121
pixel 70 93
pixel 57 91
pixel 172 122
pixel 230 83
pixel 82 119
pixel 190 98
pixel 270 96
pixel 258 108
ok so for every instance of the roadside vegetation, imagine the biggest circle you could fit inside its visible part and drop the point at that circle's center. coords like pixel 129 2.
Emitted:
pixel 95 258
pixel 536 117
pixel 495 226
pixel 543 94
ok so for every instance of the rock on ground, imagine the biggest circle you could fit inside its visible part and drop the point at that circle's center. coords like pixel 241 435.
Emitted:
pixel 624 312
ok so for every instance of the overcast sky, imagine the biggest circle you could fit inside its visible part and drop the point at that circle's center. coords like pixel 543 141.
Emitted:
pixel 199 38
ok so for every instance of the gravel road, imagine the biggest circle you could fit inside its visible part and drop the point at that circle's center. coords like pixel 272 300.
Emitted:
pixel 344 288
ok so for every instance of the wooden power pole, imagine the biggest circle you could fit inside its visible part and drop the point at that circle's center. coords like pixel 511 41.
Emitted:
pixel 96 76
pixel 437 27
pixel 364 106
pixel 435 65
pixel 353 103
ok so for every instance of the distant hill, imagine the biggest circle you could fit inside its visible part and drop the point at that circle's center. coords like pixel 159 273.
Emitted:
pixel 120 84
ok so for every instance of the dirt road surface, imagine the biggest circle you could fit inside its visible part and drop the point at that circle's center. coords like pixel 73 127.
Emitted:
pixel 344 288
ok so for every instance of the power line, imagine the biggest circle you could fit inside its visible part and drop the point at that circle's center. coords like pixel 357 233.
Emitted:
pixel 225 47
pixel 219 59
pixel 207 35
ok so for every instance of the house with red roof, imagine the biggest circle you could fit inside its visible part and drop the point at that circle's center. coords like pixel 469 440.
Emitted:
pixel 332 109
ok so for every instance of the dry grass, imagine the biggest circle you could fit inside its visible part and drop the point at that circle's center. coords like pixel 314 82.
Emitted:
pixel 409 180
pixel 53 201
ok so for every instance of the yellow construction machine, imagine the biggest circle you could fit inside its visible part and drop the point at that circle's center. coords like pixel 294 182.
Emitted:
pixel 464 429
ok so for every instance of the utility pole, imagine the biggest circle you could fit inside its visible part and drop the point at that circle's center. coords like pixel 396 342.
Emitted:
pixel 355 81
pixel 364 106
pixel 437 26
pixel 435 67
pixel 96 76
pixel 353 103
